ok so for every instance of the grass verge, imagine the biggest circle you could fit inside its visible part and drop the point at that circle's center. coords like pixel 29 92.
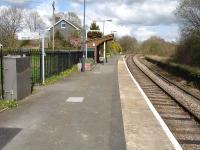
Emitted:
pixel 191 74
pixel 8 104
pixel 60 76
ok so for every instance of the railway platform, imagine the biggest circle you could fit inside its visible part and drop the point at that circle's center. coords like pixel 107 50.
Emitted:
pixel 143 131
pixel 98 110
pixel 80 112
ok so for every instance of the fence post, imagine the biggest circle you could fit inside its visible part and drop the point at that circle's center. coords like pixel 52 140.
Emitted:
pixel 69 59
pixel 43 68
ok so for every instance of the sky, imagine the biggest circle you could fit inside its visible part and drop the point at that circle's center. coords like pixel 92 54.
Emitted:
pixel 139 18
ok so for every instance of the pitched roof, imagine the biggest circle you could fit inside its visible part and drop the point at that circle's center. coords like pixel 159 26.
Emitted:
pixel 99 41
pixel 76 27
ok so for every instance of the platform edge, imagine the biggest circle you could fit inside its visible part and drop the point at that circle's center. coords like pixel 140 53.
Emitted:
pixel 167 131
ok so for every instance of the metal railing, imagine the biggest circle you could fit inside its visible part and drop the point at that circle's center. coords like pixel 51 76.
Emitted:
pixel 54 62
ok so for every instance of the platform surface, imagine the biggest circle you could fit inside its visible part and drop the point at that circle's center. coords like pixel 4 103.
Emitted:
pixel 81 112
pixel 84 112
pixel 141 128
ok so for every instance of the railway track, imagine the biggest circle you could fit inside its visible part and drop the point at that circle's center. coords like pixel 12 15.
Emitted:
pixel 171 79
pixel 179 110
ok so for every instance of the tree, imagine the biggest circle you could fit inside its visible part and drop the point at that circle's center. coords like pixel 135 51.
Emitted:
pixel 157 46
pixel 188 51
pixel 94 26
pixel 114 47
pixel 74 39
pixel 10 24
pixel 188 12
pixel 95 33
pixel 128 43
pixel 60 42
pixel 70 16
pixel 33 21
pixel 75 42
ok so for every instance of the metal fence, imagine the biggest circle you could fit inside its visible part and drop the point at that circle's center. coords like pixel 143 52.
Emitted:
pixel 58 61
pixel 54 62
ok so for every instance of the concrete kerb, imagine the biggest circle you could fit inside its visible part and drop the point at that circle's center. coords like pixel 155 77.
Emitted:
pixel 2 110
pixel 155 113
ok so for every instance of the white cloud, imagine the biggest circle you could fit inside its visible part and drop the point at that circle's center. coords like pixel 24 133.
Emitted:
pixel 147 13
pixel 172 36
pixel 130 17
pixel 142 33
pixel 130 14
pixel 16 1
pixel 121 30
pixel 3 7
pixel 45 12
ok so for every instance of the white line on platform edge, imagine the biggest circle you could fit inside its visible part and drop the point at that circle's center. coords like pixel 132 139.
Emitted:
pixel 156 114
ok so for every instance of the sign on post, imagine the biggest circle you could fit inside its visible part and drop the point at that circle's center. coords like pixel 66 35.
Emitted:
pixel 43 68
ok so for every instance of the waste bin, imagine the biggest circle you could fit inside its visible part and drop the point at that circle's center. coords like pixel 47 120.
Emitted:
pixel 17 77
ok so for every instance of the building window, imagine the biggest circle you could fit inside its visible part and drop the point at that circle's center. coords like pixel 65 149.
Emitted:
pixel 63 25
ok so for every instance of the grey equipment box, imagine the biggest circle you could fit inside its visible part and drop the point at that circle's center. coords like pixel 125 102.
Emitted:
pixel 17 77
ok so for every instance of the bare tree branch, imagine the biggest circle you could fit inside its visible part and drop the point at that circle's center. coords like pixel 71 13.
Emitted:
pixel 188 13
pixel 10 24
pixel 34 22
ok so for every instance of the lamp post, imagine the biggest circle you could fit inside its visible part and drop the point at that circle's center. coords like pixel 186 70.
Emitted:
pixel 84 40
pixel 104 22
pixel 1 53
pixel 113 32
pixel 42 38
pixel 104 47
pixel 53 22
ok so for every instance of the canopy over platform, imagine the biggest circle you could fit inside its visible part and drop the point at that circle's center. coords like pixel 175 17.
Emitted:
pixel 96 43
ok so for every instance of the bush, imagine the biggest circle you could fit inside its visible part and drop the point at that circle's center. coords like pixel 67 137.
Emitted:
pixel 60 76
pixel 128 43
pixel 94 34
pixel 188 52
pixel 191 74
pixel 89 60
pixel 25 42
pixel 60 42
pixel 113 47
pixel 158 46
pixel 8 104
